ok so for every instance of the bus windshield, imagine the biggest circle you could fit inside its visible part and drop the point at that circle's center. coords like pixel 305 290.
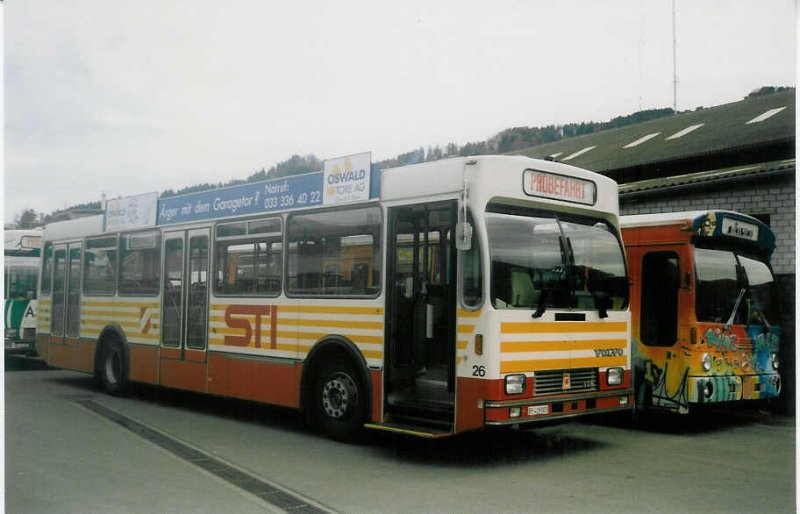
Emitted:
pixel 719 285
pixel 540 261
pixel 21 274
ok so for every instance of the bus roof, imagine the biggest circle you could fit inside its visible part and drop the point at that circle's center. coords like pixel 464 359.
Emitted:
pixel 74 229
pixel 709 224
pixel 492 176
pixel 22 239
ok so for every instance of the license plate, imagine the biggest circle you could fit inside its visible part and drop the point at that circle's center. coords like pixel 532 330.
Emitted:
pixel 537 410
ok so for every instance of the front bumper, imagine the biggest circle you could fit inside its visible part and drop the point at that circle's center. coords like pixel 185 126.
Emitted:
pixel 533 410
pixel 727 388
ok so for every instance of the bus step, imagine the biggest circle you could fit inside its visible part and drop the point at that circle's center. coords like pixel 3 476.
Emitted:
pixel 428 432
pixel 419 408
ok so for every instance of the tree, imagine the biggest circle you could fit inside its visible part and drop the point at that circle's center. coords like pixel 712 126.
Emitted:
pixel 27 218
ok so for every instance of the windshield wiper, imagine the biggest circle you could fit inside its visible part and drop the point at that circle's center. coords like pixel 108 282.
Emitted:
pixel 566 258
pixel 729 324
pixel 763 319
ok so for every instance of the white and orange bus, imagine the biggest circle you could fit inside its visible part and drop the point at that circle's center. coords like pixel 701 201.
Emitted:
pixel 430 299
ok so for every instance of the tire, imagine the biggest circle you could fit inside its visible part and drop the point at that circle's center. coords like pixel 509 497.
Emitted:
pixel 112 368
pixel 339 401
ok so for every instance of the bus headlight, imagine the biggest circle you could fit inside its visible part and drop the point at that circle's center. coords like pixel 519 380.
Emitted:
pixel 707 360
pixel 775 361
pixel 614 376
pixel 707 389
pixel 515 384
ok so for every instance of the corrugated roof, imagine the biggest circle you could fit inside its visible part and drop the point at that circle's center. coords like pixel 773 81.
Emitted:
pixel 749 122
pixel 705 177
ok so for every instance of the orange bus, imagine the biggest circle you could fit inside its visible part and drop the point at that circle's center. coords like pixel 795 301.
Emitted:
pixel 704 313
pixel 430 299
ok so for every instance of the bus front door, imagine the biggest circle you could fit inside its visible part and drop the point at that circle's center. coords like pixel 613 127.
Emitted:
pixel 420 371
pixel 66 305
pixel 184 314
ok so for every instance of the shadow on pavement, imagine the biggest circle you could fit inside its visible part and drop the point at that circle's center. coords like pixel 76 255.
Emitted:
pixel 23 363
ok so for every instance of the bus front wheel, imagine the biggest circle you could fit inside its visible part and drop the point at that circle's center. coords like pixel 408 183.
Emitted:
pixel 111 369
pixel 339 401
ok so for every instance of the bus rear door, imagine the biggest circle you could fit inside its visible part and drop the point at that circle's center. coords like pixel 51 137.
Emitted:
pixel 66 303
pixel 184 317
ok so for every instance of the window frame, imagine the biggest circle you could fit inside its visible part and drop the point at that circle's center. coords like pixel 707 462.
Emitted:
pixel 114 272
pixel 376 258
pixel 248 236
pixel 122 240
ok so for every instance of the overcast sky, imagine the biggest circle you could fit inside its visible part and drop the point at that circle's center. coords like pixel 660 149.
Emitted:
pixel 138 96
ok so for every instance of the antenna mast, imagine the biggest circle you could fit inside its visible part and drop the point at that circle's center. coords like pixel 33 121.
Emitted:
pixel 674 63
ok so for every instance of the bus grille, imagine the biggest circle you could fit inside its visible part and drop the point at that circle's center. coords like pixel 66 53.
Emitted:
pixel 29 334
pixel 553 381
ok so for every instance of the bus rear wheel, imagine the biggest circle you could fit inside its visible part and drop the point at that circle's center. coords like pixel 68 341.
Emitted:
pixel 339 401
pixel 111 368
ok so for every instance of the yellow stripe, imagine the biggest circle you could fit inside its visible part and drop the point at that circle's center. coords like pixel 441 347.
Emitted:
pixel 115 315
pixel 468 314
pixel 332 309
pixel 372 354
pixel 462 345
pixel 465 329
pixel 315 309
pixel 291 334
pixel 555 346
pixel 544 364
pixel 316 336
pixel 562 327
pixel 151 337
pixel 111 303
pixel 374 325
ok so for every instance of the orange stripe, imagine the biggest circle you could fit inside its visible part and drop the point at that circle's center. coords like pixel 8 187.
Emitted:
pixel 556 346
pixel 538 365
pixel 556 327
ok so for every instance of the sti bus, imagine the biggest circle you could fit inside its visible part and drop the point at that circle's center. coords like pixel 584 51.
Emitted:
pixel 430 300
pixel 21 272
pixel 703 302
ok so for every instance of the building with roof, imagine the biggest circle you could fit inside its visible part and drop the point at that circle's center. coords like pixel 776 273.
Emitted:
pixel 739 156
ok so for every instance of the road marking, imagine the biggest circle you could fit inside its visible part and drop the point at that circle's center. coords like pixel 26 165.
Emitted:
pixel 271 492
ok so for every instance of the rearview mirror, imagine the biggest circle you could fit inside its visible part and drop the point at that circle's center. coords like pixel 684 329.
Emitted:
pixel 463 235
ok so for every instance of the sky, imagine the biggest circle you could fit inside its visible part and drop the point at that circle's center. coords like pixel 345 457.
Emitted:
pixel 123 98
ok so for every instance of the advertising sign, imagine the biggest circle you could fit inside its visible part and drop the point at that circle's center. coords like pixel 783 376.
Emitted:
pixel 131 212
pixel 347 179
pixel 280 194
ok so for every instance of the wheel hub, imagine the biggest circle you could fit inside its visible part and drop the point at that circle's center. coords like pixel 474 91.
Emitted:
pixel 338 395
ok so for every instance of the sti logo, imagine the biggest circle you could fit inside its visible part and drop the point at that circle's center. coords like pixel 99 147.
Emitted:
pixel 240 316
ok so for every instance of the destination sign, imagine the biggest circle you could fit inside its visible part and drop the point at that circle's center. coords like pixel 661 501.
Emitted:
pixel 740 229
pixel 559 187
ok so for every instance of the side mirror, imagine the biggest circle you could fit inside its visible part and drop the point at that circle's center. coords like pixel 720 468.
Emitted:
pixel 463 235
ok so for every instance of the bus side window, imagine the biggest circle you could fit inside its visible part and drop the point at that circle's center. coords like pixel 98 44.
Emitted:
pixel 659 312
